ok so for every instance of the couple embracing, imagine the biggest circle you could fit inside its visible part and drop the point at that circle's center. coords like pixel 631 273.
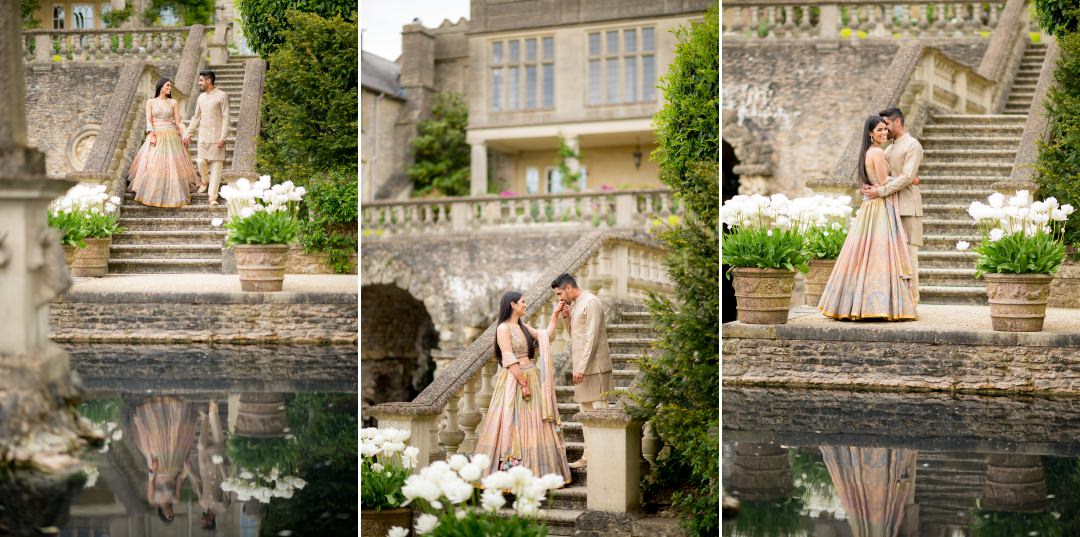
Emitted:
pixel 876 275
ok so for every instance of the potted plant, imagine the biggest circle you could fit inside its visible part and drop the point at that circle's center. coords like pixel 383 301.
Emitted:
pixel 765 245
pixel 1023 245
pixel 825 238
pixel 447 494
pixel 88 219
pixel 262 223
pixel 385 465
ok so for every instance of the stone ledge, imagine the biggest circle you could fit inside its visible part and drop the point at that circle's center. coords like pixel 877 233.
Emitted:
pixel 606 418
pixel 194 297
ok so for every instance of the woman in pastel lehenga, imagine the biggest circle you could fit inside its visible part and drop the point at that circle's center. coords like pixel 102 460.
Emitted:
pixel 161 174
pixel 872 275
pixel 164 430
pixel 522 426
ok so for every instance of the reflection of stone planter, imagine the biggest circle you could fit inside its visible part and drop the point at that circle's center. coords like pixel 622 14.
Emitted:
pixel 92 261
pixel 261 415
pixel 763 296
pixel 69 255
pixel 1014 483
pixel 1018 301
pixel 820 270
pixel 1065 289
pixel 380 522
pixel 762 472
pixel 261 266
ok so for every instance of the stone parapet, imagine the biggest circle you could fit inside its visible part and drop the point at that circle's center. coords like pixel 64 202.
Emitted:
pixel 948 348
pixel 45 47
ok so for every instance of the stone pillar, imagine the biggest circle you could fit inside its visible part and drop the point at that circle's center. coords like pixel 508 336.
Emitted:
pixel 40 427
pixel 419 425
pixel 615 478
pixel 219 45
pixel 478 169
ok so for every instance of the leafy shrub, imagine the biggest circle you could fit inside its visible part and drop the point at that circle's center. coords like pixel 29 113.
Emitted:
pixel 1058 166
pixel 825 243
pixel 29 8
pixel 115 18
pixel 70 226
pixel 1019 235
pixel 767 249
pixel 266 22
pixel 262 227
pixel 1058 17
pixel 442 155
pixel 101 225
pixel 332 213
pixel 189 11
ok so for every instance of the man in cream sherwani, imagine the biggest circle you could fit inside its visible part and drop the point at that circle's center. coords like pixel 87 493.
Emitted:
pixel 588 348
pixel 903 156
pixel 212 119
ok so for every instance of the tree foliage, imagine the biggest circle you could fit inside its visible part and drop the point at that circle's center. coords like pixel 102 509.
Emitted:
pixel 1058 166
pixel 189 11
pixel 1058 17
pixel 680 388
pixel 266 22
pixel 29 8
pixel 441 165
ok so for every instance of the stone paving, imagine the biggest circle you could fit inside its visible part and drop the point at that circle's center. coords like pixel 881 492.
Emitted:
pixel 211 283
pixel 937 318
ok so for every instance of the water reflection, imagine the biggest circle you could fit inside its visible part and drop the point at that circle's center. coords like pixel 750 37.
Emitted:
pixel 849 464
pixel 207 440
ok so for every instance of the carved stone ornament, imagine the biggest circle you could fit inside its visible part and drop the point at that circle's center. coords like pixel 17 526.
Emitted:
pixel 46 259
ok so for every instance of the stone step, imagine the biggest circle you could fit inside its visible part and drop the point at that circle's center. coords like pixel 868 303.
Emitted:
pixel 635 316
pixel 206 211
pixel 630 329
pixel 196 199
pixel 571 498
pixel 947 277
pixel 215 236
pixel 165 224
pixel 165 251
pixel 941 195
pixel 163 266
pixel 948 211
pixel 621 377
pixel 930 181
pixel 939 226
pixel 630 344
pixel 1016 128
pixel 987 142
pixel 965 167
pixel 969 154
pixel 931 294
pixel 948 241
pixel 559 522
pixel 946 259
pixel 970 119
pixel 565 393
pixel 572 431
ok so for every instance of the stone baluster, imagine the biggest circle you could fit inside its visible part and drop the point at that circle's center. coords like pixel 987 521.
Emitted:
pixel 755 21
pixel 42 51
pixel 728 20
pixel 788 28
pixel 771 23
pixel 483 397
pixel 470 415
pixel 941 24
pixel 804 27
pixel 451 437
pixel 995 14
pixel 874 25
pixel 96 50
pixel 178 43
pixel 650 447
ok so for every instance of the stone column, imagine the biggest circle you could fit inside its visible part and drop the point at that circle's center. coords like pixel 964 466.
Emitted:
pixel 417 421
pixel 478 169
pixel 614 478
pixel 38 395
pixel 219 45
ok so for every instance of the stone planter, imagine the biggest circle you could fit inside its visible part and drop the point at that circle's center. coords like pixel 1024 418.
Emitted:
pixel 1018 301
pixel 1014 483
pixel 763 296
pixel 69 255
pixel 92 261
pixel 380 522
pixel 816 278
pixel 261 266
pixel 261 415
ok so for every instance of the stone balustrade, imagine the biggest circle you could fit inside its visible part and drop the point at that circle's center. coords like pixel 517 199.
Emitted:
pixel 859 19
pixel 44 47
pixel 629 209
pixel 944 83
pixel 444 418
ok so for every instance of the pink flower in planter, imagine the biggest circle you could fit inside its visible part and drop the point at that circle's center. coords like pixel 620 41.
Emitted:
pixel 507 194
pixel 606 188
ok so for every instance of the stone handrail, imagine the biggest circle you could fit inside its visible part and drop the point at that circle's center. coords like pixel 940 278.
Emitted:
pixel 247 122
pixel 44 47
pixel 186 83
pixel 123 124
pixel 771 19
pixel 623 209
pixel 918 79
pixel 613 264
pixel 1037 128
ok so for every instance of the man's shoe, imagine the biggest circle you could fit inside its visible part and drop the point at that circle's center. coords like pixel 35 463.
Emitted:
pixel 580 463
pixel 213 202
pixel 203 187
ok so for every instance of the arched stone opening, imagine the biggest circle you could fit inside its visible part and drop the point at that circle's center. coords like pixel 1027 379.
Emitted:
pixel 398 337
pixel 728 189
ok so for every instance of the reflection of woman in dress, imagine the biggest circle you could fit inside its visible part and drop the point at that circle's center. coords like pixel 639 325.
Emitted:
pixel 522 422
pixel 164 432
pixel 161 174
pixel 872 275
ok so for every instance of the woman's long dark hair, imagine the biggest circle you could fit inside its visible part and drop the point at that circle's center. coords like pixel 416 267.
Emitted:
pixel 868 130
pixel 161 84
pixel 505 310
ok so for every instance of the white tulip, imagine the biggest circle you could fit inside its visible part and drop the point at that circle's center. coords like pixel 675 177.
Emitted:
pixel 217 459
pixel 1058 215
pixel 243 184
pixel 216 222
pixel 520 476
pixel 1021 199
pixel 426 524
pixel 997 200
pixel 418 487
pixel 470 472
pixel 552 481
pixel 963 245
pixel 458 461
pixel 1040 218
pixel 455 489
pixel 398 531
pixel 410 456
pixel 1068 209
pixel 376 467
pixel 492 500
pixel 246 212
pixel 481 460
pixel 1038 207
pixel 498 480
pixel 246 475
pixel 996 234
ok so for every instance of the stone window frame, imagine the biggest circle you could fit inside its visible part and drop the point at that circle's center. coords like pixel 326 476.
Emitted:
pixel 644 90
pixel 63 16
pixel 501 64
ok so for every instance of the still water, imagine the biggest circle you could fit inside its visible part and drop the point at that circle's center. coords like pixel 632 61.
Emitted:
pixel 833 463
pixel 206 440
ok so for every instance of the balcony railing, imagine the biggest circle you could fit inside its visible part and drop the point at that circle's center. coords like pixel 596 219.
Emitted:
pixel 43 47
pixel 628 209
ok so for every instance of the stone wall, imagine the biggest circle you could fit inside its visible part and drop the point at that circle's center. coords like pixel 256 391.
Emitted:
pixel 398 338
pixel 64 107
pixel 793 107
pixel 1065 287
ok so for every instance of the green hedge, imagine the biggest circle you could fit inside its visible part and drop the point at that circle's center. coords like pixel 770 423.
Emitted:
pixel 681 386
pixel 1058 166
pixel 266 22
pixel 442 156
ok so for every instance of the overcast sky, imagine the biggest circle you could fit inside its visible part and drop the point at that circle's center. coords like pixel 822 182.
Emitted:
pixel 381 21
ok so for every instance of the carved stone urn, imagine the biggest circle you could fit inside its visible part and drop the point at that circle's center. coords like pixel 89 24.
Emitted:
pixel 816 278
pixel 1018 301
pixel 261 266
pixel 763 296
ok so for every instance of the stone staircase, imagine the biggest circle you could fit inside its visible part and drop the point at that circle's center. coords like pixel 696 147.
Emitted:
pixel 630 336
pixel 180 240
pixel 946 487
pixel 963 156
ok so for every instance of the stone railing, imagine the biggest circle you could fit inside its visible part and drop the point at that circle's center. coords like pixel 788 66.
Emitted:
pixel 859 19
pixel 247 122
pixel 1037 128
pixel 629 209
pixel 444 418
pixel 44 47
pixel 123 123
